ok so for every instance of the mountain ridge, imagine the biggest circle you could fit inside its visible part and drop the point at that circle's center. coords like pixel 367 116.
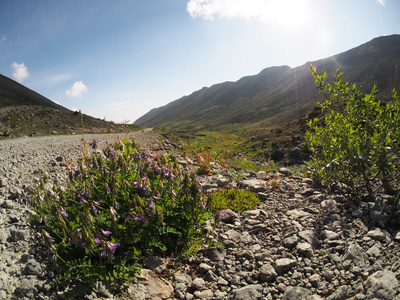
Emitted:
pixel 25 112
pixel 13 93
pixel 279 93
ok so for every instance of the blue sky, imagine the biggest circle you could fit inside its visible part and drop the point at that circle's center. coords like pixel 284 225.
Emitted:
pixel 119 59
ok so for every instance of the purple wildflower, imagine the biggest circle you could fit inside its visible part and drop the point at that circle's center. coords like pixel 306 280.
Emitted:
pixel 116 204
pixel 77 240
pixel 202 206
pixel 94 209
pixel 140 187
pixel 106 232
pixel 108 189
pixel 103 253
pixel 151 203
pixel 97 240
pixel 64 213
pixel 141 218
pixel 94 143
pixel 82 200
pixel 110 151
pixel 112 246
pixel 47 236
pixel 25 200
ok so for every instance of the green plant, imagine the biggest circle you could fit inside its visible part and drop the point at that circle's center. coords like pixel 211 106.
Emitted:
pixel 114 209
pixel 239 200
pixel 358 140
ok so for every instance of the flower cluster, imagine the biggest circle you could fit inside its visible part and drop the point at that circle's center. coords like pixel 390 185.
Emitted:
pixel 94 143
pixel 121 204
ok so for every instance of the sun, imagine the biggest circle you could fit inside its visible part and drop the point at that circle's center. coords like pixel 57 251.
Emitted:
pixel 290 14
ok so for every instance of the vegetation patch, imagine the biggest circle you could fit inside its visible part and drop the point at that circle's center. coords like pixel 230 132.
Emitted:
pixel 234 199
pixel 357 142
pixel 116 207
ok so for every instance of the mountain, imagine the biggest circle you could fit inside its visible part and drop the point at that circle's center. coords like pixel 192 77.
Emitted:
pixel 14 94
pixel 25 112
pixel 280 94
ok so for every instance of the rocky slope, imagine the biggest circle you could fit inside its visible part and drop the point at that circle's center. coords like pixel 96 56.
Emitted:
pixel 301 242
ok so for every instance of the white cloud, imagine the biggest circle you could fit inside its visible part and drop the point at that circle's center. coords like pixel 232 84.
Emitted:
pixel 3 38
pixel 20 72
pixel 260 10
pixel 77 90
pixel 209 9
pixel 381 2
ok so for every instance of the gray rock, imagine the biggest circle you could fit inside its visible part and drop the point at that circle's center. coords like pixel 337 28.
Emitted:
pixel 3 182
pixel 330 206
pixel 290 242
pixel 308 181
pixel 228 216
pixel 310 237
pixel 315 279
pixel 356 254
pixel 101 291
pixel 17 235
pixel 305 249
pixel 210 276
pixel 374 251
pixel 284 264
pixel 382 285
pixel 149 284
pixel 267 273
pixel 155 263
pixel 222 281
pixel 180 287
pixel 199 284
pixel 214 254
pixel 377 234
pixel 14 192
pixel 33 267
pixel 232 235
pixel 249 292
pixel 285 171
pixel 297 213
pixel 339 294
pixel 203 268
pixel 329 235
pixel 297 293
pixel 182 278
pixel 206 294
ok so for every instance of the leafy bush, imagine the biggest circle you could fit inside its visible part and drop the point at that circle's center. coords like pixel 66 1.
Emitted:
pixel 239 200
pixel 116 207
pixel 358 140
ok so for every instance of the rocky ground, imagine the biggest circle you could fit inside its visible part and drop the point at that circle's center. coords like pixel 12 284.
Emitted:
pixel 301 242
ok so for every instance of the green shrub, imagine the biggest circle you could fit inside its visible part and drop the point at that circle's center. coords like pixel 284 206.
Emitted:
pixel 114 209
pixel 358 140
pixel 238 200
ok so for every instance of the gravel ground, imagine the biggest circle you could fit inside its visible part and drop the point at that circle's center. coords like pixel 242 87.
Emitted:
pixel 22 159
pixel 302 241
